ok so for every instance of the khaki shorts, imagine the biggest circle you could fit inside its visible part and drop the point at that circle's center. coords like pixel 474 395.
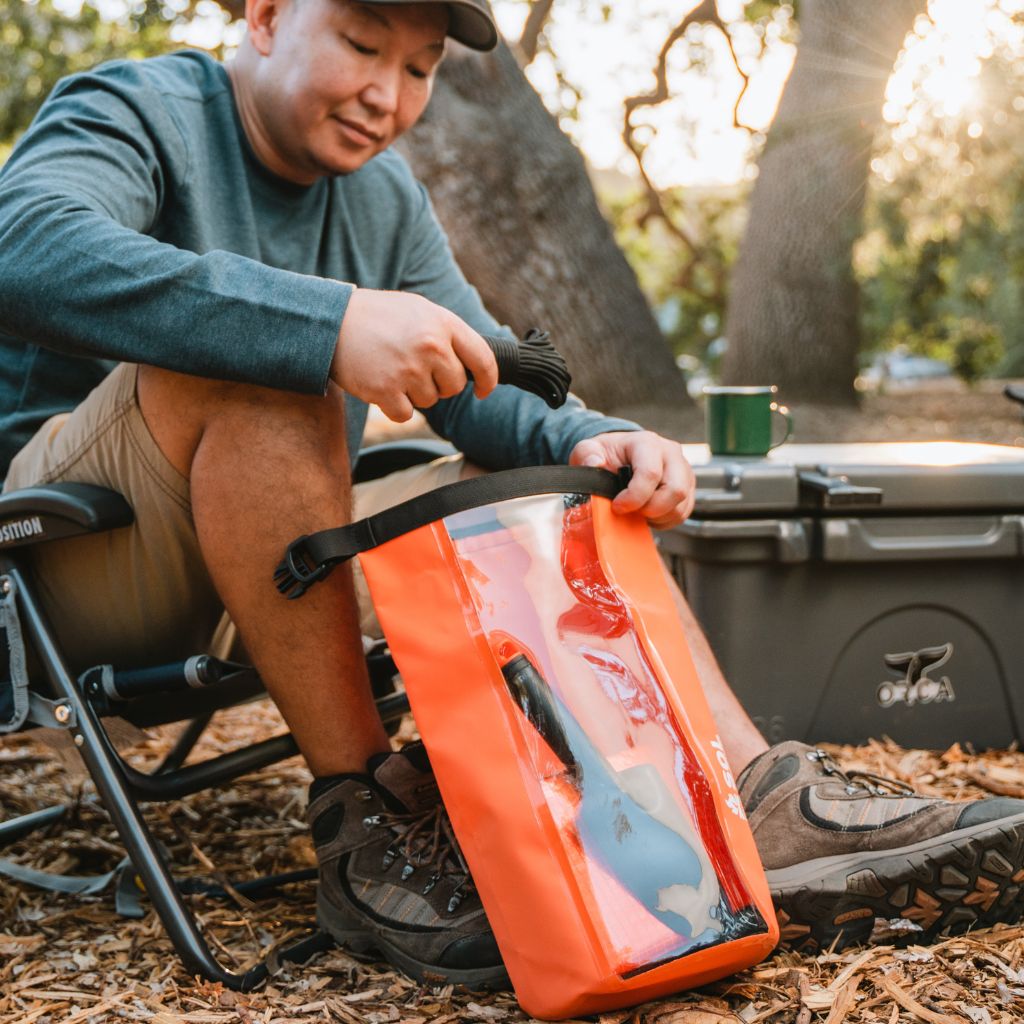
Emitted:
pixel 141 595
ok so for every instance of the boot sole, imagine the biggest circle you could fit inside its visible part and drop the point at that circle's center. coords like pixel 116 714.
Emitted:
pixel 348 929
pixel 916 894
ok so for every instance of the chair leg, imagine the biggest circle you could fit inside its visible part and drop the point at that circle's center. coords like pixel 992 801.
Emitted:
pixel 102 763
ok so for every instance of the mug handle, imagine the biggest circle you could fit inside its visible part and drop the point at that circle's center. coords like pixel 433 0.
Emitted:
pixel 782 411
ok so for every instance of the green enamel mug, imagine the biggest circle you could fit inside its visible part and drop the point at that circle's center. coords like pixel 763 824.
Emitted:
pixel 740 420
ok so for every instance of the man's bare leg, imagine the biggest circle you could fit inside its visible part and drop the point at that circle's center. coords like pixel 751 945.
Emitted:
pixel 266 466
pixel 742 740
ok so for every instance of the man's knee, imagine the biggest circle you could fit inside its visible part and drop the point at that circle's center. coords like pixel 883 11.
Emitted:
pixel 184 412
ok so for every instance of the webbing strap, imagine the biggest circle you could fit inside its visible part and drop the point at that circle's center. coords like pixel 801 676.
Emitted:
pixel 17 670
pixel 310 558
pixel 126 890
pixel 72 885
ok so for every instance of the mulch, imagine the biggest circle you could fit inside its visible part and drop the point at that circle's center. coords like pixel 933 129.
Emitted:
pixel 74 960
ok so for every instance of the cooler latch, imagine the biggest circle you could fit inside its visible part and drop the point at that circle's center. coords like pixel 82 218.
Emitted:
pixel 836 491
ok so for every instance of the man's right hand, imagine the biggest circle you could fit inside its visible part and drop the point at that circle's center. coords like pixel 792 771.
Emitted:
pixel 401 352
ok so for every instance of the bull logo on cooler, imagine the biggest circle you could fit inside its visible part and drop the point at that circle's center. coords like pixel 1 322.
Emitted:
pixel 916 686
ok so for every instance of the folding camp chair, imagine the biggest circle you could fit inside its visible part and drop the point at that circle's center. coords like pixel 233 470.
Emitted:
pixel 156 695
pixel 199 686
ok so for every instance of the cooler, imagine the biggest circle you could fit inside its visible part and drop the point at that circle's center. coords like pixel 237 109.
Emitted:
pixel 863 590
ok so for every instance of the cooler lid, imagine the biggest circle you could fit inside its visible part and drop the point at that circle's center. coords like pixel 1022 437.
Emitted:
pixel 926 477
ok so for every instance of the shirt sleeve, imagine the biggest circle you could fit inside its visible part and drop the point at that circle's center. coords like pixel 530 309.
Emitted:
pixel 509 428
pixel 79 273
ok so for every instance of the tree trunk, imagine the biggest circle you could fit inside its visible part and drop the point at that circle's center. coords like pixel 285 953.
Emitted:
pixel 794 311
pixel 513 194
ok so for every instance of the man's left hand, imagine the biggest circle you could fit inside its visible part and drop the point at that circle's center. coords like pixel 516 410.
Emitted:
pixel 662 485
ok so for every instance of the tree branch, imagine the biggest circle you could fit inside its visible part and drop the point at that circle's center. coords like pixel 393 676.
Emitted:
pixel 705 13
pixel 736 122
pixel 529 40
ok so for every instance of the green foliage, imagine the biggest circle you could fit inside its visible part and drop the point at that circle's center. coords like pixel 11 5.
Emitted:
pixel 687 289
pixel 942 260
pixel 975 349
pixel 761 11
pixel 40 44
pixel 972 348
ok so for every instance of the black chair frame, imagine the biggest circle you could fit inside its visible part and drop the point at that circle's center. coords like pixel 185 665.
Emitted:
pixel 79 704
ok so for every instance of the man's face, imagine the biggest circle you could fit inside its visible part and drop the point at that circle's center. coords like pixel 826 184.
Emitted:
pixel 340 81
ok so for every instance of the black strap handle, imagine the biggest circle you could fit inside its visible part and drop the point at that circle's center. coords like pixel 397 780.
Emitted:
pixel 310 558
pixel 534 365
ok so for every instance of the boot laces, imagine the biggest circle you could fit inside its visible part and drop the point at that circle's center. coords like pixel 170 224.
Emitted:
pixel 856 781
pixel 425 839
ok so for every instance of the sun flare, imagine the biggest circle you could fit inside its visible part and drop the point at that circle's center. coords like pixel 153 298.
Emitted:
pixel 692 139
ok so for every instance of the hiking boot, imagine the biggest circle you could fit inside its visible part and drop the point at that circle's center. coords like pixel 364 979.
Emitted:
pixel 392 877
pixel 849 852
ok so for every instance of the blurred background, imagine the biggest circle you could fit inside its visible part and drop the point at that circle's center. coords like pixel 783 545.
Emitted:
pixel 826 195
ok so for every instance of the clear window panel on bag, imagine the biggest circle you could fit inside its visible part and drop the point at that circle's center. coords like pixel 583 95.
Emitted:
pixel 631 804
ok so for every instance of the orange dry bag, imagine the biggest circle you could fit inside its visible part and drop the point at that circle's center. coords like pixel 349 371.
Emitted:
pixel 552 685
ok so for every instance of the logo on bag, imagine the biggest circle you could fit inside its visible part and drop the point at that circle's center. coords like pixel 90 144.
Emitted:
pixel 21 529
pixel 916 686
pixel 732 801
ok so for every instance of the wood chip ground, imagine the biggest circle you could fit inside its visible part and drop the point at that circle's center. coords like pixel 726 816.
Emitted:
pixel 73 960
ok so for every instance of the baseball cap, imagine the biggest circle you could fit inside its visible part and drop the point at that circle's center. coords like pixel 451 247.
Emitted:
pixel 471 22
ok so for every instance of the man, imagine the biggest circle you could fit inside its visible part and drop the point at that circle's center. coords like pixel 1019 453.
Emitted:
pixel 235 262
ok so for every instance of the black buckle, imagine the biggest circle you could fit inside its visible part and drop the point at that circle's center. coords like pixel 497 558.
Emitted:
pixel 298 572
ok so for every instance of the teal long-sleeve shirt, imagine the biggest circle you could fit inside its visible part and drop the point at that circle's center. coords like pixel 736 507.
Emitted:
pixel 136 224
